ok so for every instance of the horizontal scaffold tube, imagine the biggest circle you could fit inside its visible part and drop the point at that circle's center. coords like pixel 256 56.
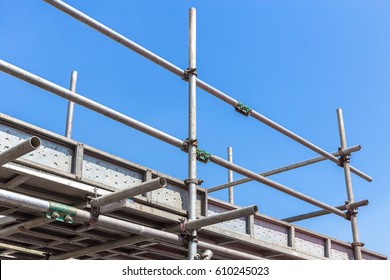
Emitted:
pixel 275 185
pixel 179 72
pixel 20 200
pixel 87 103
pixel 219 218
pixel 19 150
pixel 129 192
pixel 285 168
pixel 314 214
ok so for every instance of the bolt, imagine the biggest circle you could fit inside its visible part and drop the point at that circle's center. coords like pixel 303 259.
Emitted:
pixel 68 219
pixel 55 215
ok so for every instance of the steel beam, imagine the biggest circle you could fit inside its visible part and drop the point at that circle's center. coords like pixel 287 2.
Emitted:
pixel 15 182
pixel 19 150
pixel 24 226
pixel 129 192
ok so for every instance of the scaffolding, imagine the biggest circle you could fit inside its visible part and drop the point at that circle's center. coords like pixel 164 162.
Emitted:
pixel 105 222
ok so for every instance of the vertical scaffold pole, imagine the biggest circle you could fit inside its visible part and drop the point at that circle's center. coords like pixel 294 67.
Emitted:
pixel 348 182
pixel 230 175
pixel 69 118
pixel 192 140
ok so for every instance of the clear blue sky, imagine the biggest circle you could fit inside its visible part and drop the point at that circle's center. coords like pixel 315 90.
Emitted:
pixel 296 62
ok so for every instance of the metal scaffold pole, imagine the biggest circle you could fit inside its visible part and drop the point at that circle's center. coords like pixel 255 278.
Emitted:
pixel 344 162
pixel 192 140
pixel 69 117
pixel 230 175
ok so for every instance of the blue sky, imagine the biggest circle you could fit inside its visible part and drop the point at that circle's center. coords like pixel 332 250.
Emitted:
pixel 295 62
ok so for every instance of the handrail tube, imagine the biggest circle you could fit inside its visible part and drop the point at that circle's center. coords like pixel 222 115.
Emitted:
pixel 88 103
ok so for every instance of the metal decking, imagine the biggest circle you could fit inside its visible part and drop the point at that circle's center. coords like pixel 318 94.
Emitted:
pixel 65 171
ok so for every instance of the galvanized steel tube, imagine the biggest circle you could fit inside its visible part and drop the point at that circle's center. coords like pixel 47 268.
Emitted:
pixel 129 192
pixel 19 150
pixel 230 176
pixel 19 200
pixel 220 217
pixel 348 182
pixel 284 169
pixel 88 103
pixel 275 185
pixel 325 212
pixel 192 244
pixel 70 114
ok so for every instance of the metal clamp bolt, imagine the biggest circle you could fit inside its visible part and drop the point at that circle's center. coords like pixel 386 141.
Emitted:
pixel 242 109
pixel 187 72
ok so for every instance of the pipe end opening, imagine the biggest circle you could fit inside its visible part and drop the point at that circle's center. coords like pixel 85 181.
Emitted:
pixel 35 142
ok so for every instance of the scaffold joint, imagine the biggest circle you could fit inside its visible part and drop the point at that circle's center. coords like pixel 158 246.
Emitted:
pixel 203 156
pixel 344 158
pixel 242 109
pixel 94 212
pixel 61 212
pixel 187 143
pixel 193 180
pixel 350 213
pixel 187 72
pixel 357 244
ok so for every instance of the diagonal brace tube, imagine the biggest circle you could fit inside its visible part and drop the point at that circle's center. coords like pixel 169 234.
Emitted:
pixel 179 72
pixel 129 192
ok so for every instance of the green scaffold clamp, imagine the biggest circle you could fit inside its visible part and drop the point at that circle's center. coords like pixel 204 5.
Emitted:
pixel 242 109
pixel 203 156
pixel 61 212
